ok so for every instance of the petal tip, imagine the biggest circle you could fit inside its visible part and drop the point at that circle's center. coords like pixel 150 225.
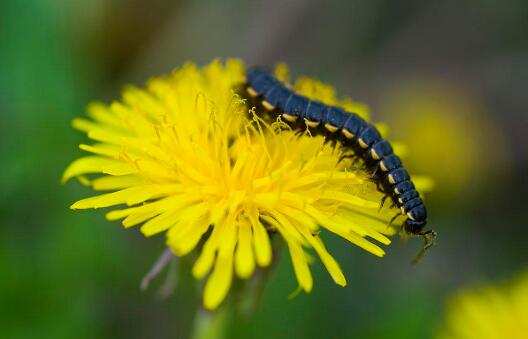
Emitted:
pixel 75 206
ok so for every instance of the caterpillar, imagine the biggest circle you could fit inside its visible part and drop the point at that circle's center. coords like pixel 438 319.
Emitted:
pixel 351 131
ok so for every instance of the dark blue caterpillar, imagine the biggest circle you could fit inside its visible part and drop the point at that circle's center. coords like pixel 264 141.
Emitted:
pixel 351 131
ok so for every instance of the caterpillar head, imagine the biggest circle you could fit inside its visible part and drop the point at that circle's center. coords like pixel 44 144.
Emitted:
pixel 414 226
pixel 416 219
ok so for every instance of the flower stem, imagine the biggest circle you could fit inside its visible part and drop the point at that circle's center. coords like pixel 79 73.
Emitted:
pixel 210 325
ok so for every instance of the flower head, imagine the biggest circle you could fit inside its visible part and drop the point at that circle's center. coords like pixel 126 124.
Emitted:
pixel 189 158
pixel 491 312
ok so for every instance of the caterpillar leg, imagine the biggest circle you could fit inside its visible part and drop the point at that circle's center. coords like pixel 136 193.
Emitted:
pixel 394 218
pixel 343 157
pixel 331 141
pixel 347 156
pixel 382 202
pixel 299 133
pixel 357 159
pixel 429 237
pixel 373 174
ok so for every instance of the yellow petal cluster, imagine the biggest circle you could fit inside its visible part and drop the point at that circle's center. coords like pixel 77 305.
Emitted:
pixel 489 312
pixel 186 156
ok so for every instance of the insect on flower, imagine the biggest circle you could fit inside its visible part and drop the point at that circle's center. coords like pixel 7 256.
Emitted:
pixel 188 157
pixel 352 132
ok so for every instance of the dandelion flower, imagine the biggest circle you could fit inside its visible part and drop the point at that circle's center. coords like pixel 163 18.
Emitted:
pixel 187 157
pixel 491 312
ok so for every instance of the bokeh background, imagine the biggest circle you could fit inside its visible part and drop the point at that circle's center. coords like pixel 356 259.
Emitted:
pixel 448 77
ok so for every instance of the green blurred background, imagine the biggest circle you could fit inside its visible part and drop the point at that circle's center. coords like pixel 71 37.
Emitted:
pixel 448 77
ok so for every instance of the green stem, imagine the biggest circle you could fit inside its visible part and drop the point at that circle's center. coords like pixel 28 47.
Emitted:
pixel 210 325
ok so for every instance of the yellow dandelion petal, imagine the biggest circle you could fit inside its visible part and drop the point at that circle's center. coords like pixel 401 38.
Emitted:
pixel 83 124
pixel 331 265
pixel 110 183
pixel 297 214
pixel 261 241
pixel 137 218
pixel 129 196
pixel 160 223
pixel 344 228
pixel 218 283
pixel 89 164
pixel 284 226
pixel 349 199
pixel 165 220
pixel 104 115
pixel 300 266
pixel 101 149
pixel 244 260
pixel 183 237
pixel 205 261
